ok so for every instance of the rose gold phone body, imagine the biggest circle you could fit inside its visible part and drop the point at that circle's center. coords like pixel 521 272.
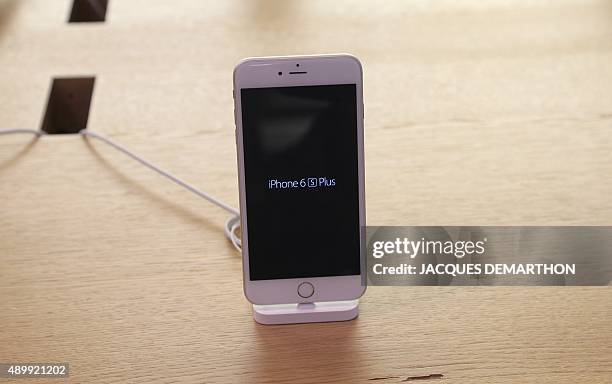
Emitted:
pixel 316 70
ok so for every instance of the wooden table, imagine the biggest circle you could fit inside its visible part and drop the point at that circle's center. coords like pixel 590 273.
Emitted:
pixel 496 114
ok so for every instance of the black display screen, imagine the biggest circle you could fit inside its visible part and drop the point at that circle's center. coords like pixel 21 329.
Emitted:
pixel 301 174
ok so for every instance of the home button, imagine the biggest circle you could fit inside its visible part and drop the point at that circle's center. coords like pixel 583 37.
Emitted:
pixel 305 290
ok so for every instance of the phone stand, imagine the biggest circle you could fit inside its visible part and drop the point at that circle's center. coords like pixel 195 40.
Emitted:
pixel 306 312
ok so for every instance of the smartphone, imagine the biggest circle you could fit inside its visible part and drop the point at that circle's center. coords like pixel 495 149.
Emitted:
pixel 299 136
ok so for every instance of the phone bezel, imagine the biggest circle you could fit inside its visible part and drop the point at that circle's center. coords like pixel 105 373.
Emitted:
pixel 263 72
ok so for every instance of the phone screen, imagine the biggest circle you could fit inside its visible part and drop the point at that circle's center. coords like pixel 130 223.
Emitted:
pixel 301 180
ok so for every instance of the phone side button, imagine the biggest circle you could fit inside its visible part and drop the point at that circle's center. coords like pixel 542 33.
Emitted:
pixel 305 290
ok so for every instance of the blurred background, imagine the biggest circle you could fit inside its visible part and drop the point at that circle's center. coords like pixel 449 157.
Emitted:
pixel 501 94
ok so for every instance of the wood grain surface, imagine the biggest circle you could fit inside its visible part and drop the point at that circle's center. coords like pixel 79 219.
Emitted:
pixel 477 113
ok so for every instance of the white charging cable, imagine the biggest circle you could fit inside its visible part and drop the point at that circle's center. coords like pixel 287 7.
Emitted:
pixel 231 225
pixel 20 130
